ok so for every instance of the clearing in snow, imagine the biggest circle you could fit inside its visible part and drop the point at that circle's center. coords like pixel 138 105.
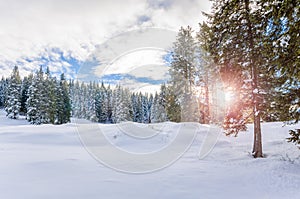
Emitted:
pixel 48 161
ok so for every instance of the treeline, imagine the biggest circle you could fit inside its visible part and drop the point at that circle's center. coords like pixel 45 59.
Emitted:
pixel 100 103
pixel 44 99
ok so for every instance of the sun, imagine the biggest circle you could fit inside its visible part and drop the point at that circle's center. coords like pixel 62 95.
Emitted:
pixel 229 95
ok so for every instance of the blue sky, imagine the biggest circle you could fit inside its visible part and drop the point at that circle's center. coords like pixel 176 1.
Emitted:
pixel 65 35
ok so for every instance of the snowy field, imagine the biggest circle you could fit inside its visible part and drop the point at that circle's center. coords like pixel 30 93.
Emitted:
pixel 49 161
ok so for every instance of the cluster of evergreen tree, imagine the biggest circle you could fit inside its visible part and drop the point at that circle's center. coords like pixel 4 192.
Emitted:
pixel 43 99
pixel 40 97
pixel 100 103
pixel 191 82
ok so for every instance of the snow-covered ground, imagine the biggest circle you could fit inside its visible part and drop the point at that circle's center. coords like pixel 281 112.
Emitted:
pixel 49 161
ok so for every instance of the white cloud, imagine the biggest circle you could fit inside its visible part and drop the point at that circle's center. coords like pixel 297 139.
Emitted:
pixel 29 28
pixel 132 60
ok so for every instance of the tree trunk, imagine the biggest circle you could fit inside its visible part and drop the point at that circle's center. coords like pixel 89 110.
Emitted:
pixel 257 153
pixel 207 109
pixel 257 146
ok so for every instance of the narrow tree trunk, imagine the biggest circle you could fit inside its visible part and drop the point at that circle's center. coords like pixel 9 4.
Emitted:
pixel 257 146
pixel 254 134
pixel 207 108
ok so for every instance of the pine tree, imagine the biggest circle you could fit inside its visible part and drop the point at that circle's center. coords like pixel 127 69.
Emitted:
pixel 13 101
pixel 117 115
pixel 208 78
pixel 238 33
pixel 3 91
pixel 76 99
pixel 109 103
pixel 63 106
pixel 158 111
pixel 127 106
pixel 91 103
pixel 135 107
pixel 173 107
pixel 183 72
pixel 49 97
pixel 295 137
pixel 83 100
pixel 283 45
pixel 24 93
pixel 150 104
pixel 33 103
pixel 183 67
pixel 41 99
pixel 101 104
pixel 144 108
pixel 141 108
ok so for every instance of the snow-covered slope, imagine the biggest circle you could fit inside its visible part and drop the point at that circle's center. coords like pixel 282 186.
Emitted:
pixel 49 161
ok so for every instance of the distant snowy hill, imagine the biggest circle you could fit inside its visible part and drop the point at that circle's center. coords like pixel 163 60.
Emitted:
pixel 48 161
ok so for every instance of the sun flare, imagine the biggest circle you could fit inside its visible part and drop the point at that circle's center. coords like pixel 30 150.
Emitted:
pixel 229 95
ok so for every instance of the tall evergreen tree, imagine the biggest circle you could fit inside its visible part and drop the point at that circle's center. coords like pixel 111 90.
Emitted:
pixel 13 100
pixel 135 107
pixel 173 107
pixel 109 102
pixel 183 72
pixel 101 104
pixel 63 106
pixel 3 91
pixel 208 78
pixel 34 100
pixel 117 113
pixel 24 93
pixel 283 45
pixel 49 98
pixel 236 42
pixel 158 111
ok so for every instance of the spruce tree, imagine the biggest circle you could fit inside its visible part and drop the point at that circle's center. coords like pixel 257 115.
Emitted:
pixel 101 104
pixel 109 103
pixel 24 93
pixel 283 45
pixel 13 98
pixel 49 102
pixel 238 32
pixel 3 91
pixel 63 106
pixel 183 72
pixel 34 100
pixel 135 107
pixel 158 111
pixel 173 107
pixel 117 113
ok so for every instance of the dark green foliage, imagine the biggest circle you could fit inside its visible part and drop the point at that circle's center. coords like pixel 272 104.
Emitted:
pixel 232 125
pixel 48 99
pixel 101 103
pixel 173 107
pixel 24 93
pixel 236 32
pixel 3 92
pixel 295 136
pixel 63 104
pixel 261 40
pixel 13 96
